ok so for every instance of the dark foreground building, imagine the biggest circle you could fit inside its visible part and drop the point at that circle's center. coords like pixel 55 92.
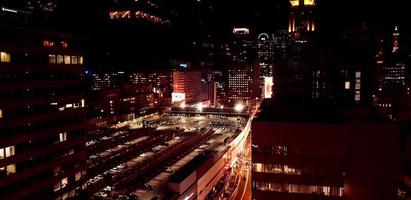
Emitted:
pixel 42 115
pixel 323 153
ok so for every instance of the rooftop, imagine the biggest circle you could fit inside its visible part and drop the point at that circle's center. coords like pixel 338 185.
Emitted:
pixel 191 166
pixel 272 111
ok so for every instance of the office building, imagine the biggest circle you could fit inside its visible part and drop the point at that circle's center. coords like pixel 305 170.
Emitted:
pixel 42 115
pixel 265 47
pixel 301 18
pixel 187 86
pixel 394 70
pixel 320 152
pixel 243 74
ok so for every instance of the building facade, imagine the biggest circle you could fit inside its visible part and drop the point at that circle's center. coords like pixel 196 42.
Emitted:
pixel 311 153
pixel 243 73
pixel 187 86
pixel 42 116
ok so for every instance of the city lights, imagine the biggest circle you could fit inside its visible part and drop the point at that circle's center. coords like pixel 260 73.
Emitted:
pixel 202 99
pixel 239 107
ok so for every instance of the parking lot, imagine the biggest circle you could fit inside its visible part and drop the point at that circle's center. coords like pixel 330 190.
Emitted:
pixel 159 146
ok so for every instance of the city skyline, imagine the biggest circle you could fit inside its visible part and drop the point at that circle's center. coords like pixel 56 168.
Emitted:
pixel 205 99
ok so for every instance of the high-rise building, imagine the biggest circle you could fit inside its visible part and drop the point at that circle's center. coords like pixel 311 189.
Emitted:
pixel 265 47
pixel 186 86
pixel 139 11
pixel 42 115
pixel 360 67
pixel 301 17
pixel 297 81
pixel 395 70
pixel 393 97
pixel 243 74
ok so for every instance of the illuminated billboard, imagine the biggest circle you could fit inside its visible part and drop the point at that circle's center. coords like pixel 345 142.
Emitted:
pixel 184 65
pixel 176 97
pixel 268 87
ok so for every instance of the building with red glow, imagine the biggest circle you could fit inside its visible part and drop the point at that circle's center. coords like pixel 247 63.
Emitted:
pixel 42 115
pixel 187 86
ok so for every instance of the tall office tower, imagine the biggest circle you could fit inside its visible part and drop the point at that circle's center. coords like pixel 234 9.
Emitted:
pixel 395 69
pixel 42 115
pixel 187 86
pixel 265 51
pixel 393 99
pixel 243 75
pixel 359 66
pixel 294 77
pixel 379 66
pixel 301 18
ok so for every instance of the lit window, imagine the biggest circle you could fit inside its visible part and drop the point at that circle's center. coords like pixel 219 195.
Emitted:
pixel 82 103
pixel 11 169
pixel 80 60
pixel 67 59
pixel 73 60
pixel 357 74
pixel 7 152
pixel 63 137
pixel 52 59
pixel 347 85
pixel 4 57
pixel 60 59
pixel 1 113
pixel 357 86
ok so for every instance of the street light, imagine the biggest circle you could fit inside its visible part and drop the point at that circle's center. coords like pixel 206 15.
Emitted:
pixel 239 107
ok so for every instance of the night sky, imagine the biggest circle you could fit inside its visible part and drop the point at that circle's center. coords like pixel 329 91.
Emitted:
pixel 152 47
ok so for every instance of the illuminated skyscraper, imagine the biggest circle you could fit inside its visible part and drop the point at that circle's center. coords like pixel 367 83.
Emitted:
pixel 301 16
pixel 265 51
pixel 395 70
pixel 243 75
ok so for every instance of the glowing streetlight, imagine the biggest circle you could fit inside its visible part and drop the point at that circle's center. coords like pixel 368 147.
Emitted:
pixel 239 107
